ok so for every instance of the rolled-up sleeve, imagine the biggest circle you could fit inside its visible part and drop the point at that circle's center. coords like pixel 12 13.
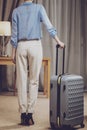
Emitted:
pixel 44 18
pixel 14 36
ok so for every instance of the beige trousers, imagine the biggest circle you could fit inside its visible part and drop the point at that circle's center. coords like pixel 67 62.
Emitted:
pixel 28 53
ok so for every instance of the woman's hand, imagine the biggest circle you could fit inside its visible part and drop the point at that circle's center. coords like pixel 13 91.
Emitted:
pixel 61 44
pixel 14 55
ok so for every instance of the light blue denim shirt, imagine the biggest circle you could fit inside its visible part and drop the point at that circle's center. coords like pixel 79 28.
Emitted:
pixel 26 23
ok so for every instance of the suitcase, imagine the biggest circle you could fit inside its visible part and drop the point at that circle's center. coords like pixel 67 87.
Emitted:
pixel 66 98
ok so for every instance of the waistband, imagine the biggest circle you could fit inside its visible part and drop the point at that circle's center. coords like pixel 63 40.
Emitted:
pixel 36 39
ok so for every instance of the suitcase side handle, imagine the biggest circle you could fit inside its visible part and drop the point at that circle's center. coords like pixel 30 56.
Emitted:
pixel 63 62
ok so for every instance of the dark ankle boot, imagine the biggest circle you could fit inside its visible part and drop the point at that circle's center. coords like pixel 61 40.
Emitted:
pixel 23 118
pixel 29 119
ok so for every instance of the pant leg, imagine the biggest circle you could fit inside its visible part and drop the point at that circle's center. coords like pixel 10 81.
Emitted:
pixel 21 71
pixel 35 62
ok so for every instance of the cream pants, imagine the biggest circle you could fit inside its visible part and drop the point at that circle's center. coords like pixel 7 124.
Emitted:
pixel 28 53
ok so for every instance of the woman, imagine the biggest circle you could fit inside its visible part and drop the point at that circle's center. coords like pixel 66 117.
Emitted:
pixel 26 42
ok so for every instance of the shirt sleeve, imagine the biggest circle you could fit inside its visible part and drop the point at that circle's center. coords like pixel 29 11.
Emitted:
pixel 44 18
pixel 14 30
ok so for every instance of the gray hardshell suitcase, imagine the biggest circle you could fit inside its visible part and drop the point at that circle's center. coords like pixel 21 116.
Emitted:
pixel 66 98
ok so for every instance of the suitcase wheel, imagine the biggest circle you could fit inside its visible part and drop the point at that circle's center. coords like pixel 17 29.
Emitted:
pixel 53 126
pixel 82 125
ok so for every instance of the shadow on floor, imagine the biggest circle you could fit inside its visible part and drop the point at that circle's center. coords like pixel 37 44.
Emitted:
pixel 66 128
pixel 72 128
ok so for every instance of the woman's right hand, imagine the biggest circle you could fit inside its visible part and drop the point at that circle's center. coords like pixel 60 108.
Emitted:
pixel 14 55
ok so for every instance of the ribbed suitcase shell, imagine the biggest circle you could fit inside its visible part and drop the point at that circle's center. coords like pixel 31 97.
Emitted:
pixel 66 101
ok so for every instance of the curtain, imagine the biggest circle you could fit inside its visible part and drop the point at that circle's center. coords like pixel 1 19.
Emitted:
pixel 84 40
pixel 69 19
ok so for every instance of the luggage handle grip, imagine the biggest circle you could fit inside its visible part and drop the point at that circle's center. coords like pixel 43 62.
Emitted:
pixel 57 47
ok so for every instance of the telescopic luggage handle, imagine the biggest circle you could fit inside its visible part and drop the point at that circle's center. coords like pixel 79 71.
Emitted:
pixel 57 46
